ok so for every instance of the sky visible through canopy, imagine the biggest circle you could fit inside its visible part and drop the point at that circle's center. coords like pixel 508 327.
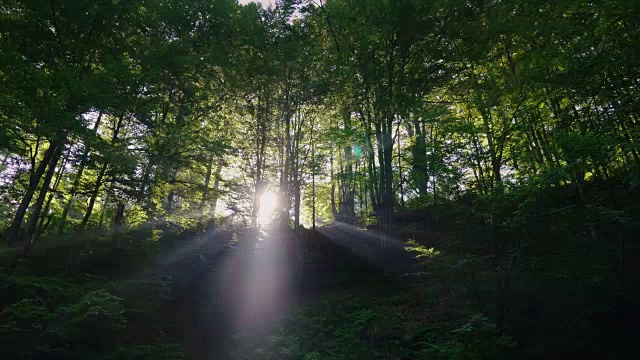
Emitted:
pixel 263 2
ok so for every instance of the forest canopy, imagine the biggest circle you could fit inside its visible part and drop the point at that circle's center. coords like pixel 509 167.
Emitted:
pixel 128 112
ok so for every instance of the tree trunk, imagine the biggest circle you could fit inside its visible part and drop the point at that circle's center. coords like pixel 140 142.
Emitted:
pixel 37 207
pixel 119 218
pixel 313 178
pixel 381 213
pixel 261 140
pixel 400 179
pixel 388 163
pixel 285 185
pixel 333 185
pixel 76 180
pixel 103 210
pixel 347 200
pixel 207 179
pixel 373 176
pixel 169 175
pixel 101 173
pixel 43 223
pixel 216 186
pixel 34 179
pixel 94 195
pixel 494 153
pixel 296 204
pixel 421 170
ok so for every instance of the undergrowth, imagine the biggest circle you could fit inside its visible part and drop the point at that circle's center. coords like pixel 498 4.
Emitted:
pixel 98 296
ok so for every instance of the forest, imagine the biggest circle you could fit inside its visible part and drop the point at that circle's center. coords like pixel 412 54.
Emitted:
pixel 319 179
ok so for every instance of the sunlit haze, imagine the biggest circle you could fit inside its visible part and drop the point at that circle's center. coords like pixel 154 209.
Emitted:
pixel 268 202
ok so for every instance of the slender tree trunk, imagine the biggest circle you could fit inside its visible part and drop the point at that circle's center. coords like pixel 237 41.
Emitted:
pixel 144 196
pixel 169 174
pixel 373 177
pixel 257 189
pixel 94 195
pixel 389 194
pixel 207 179
pixel 382 208
pixel 493 153
pixel 341 192
pixel 285 186
pixel 347 200
pixel 388 135
pixel 42 223
pixel 34 179
pixel 103 210
pixel 37 207
pixel 76 180
pixel 296 171
pixel 261 140
pixel 535 149
pixel 543 145
pixel 433 135
pixel 119 218
pixel 216 187
pixel 421 169
pixel 313 177
pixel 296 219
pixel 333 185
pixel 101 174
pixel 400 168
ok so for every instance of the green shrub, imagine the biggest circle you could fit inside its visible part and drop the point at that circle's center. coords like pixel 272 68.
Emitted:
pixel 94 322
pixel 159 351
pixel 476 339
pixel 24 319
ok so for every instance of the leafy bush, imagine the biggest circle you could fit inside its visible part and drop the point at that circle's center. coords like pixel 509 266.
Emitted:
pixel 95 321
pixel 31 327
pixel 479 339
pixel 23 320
pixel 159 351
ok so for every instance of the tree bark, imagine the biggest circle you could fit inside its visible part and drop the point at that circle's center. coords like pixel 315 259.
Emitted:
pixel 207 179
pixel 214 199
pixel 37 207
pixel 94 194
pixel 261 140
pixel 101 174
pixel 333 185
pixel 347 200
pixel 34 179
pixel 119 218
pixel 43 223
pixel 296 204
pixel 388 162
pixel 421 170
pixel 76 180
pixel 285 185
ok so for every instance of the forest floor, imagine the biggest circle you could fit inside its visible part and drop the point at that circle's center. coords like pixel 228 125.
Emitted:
pixel 256 283
pixel 340 293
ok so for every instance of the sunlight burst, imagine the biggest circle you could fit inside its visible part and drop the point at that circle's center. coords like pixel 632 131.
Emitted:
pixel 268 203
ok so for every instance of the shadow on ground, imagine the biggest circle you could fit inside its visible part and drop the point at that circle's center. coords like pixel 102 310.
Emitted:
pixel 256 278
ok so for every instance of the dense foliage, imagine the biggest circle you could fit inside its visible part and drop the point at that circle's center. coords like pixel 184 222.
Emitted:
pixel 501 136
